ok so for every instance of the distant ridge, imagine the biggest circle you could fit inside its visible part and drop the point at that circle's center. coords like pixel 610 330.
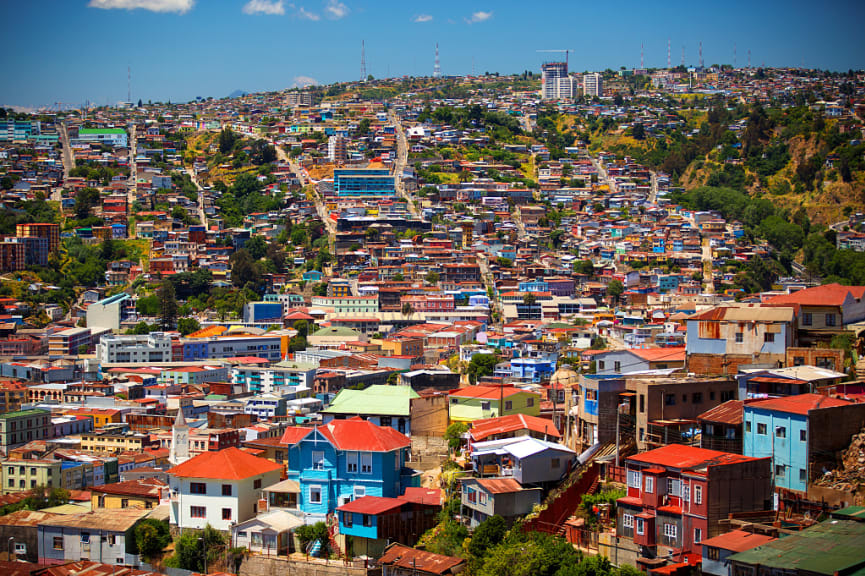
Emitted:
pixel 238 93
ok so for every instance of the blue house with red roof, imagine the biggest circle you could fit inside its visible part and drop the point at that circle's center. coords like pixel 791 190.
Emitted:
pixel 344 460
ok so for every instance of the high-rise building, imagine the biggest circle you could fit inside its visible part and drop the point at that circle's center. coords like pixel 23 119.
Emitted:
pixel 336 148
pixel 298 99
pixel 555 82
pixel 593 84
pixel 40 230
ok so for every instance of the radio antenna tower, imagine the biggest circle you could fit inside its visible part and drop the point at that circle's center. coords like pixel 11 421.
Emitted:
pixel 437 69
pixel 641 55
pixel 129 84
pixel 668 54
pixel 362 61
pixel 701 53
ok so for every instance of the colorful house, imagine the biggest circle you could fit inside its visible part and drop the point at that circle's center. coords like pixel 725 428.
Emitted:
pixel 344 460
pixel 479 402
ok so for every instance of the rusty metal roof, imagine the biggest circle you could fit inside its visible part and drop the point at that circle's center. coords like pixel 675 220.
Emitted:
pixel 419 560
pixel 730 412
pixel 109 520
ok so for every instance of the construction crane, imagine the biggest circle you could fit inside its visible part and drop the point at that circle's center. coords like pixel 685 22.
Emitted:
pixel 566 51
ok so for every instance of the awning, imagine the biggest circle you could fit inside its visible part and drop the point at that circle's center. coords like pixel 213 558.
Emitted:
pixel 284 487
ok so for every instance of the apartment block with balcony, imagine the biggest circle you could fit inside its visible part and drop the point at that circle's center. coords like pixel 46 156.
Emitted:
pixel 134 349
pixel 677 497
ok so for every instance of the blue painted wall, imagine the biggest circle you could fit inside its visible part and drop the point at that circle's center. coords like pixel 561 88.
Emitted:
pixel 789 451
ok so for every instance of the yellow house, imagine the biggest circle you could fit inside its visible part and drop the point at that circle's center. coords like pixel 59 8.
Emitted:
pixel 101 416
pixel 104 442
pixel 144 493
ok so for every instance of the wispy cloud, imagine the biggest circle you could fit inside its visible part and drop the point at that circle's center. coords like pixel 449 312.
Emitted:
pixel 479 16
pixel 336 10
pixel 304 81
pixel 178 6
pixel 420 18
pixel 271 7
pixel 306 14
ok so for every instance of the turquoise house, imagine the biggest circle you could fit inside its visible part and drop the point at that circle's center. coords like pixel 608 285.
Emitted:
pixel 344 460
pixel 784 430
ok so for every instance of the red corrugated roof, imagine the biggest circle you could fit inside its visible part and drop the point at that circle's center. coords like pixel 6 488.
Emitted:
pixel 729 412
pixel 428 496
pixel 294 435
pixel 358 434
pixel 670 354
pixel 491 426
pixel 371 505
pixel 492 392
pixel 499 485
pixel 680 456
pixel 738 541
pixel 825 295
pixel 799 404
pixel 228 464
pixel 411 559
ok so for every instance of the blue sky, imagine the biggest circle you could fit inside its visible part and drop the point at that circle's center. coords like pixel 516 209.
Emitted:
pixel 76 50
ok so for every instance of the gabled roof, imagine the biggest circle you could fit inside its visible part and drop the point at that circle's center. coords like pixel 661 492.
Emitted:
pixel 376 399
pixel 358 434
pixel 499 485
pixel 228 464
pixel 825 295
pixel 412 559
pixel 670 354
pixel 799 404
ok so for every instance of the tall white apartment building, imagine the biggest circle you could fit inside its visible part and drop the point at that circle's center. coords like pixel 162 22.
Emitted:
pixel 555 82
pixel 593 84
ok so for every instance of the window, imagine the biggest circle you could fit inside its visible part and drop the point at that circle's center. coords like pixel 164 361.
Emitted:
pixel 530 402
pixel 803 475
pixel 674 487
pixel 806 319
pixel 58 542
pixel 780 432
pixel 366 462
pixel 485 405
pixel 509 405
pixel 124 503
pixel 555 463
pixel 367 520
pixel 748 426
pixel 226 489
pixel 627 521
pixel 670 399
pixel 650 484
pixel 197 488
pixel 256 484
pixel 226 513
pixel 730 433
pixel 641 526
pixel 739 337
pixel 798 360
pixel 642 403
pixel 727 395
pixel 830 319
pixel 634 479
pixel 351 462
pixel 600 364
pixel 803 436
pixel 111 539
pixel 454 400
pixel 197 511
pixel 315 494
pixel 779 470
pixel 347 519
pixel 617 366
pixel 768 337
pixel 670 530
pixel 686 492
pixel 698 535
pixel 318 460
pixel 698 494
pixel 85 537
pixel 359 492
pixel 697 397
pixel 761 428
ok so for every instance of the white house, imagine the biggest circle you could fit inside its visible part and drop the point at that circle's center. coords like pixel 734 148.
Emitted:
pixel 219 488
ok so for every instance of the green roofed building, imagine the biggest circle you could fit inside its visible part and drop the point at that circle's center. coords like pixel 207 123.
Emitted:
pixel 112 136
pixel 23 426
pixel 833 547
pixel 380 404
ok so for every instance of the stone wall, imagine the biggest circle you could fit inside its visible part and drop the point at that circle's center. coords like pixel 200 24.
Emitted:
pixel 263 566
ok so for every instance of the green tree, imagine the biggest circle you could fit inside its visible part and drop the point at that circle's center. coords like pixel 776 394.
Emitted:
pixel 529 299
pixel 227 139
pixel 530 554
pixel 407 309
pixel 151 538
pixel 302 327
pixel 489 533
pixel 187 326
pixel 363 127
pixel 167 304
pixel 85 200
pixel 454 434
pixel 257 247
pixel 615 289
pixel 481 365
pixel 432 277
pixel 310 533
